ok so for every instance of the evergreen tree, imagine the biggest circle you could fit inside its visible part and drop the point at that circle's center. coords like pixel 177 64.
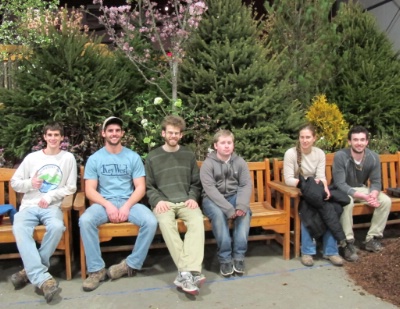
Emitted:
pixel 302 32
pixel 230 75
pixel 71 80
pixel 367 86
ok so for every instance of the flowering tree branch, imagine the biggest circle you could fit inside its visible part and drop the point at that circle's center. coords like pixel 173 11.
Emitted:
pixel 167 32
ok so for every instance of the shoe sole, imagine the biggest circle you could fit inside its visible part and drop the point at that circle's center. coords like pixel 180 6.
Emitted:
pixel 200 283
pixel 191 292
pixel 238 271
pixel 226 274
pixel 51 296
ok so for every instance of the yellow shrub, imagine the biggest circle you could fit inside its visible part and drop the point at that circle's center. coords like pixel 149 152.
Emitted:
pixel 329 123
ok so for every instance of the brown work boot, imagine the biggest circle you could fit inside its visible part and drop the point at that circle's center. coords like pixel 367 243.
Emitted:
pixel 307 260
pixel 118 270
pixel 50 289
pixel 336 260
pixel 92 282
pixel 19 279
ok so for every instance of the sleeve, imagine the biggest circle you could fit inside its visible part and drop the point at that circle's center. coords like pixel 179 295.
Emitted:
pixel 320 171
pixel 211 190
pixel 339 173
pixel 69 186
pixel 153 194
pixel 289 166
pixel 21 180
pixel 375 176
pixel 90 169
pixel 195 183
pixel 245 187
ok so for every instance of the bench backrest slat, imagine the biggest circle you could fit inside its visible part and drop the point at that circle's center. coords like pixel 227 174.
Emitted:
pixel 7 193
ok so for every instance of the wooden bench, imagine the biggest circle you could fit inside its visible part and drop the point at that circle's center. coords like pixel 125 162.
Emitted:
pixel 265 215
pixel 9 196
pixel 390 168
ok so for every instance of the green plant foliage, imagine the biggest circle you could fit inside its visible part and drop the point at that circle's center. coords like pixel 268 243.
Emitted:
pixel 71 80
pixel 230 75
pixel 301 31
pixel 15 17
pixel 259 143
pixel 367 87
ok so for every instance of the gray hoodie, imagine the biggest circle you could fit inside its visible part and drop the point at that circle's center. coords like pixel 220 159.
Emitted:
pixel 221 180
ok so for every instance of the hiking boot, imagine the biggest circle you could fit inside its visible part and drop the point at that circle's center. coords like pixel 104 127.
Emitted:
pixel 50 289
pixel 336 260
pixel 373 245
pixel 307 260
pixel 226 269
pixel 238 266
pixel 19 279
pixel 349 251
pixel 198 278
pixel 118 270
pixel 185 281
pixel 92 282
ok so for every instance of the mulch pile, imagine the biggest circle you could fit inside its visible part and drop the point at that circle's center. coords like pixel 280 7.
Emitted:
pixel 379 273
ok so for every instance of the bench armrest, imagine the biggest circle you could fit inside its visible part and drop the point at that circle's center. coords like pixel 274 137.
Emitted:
pixel 284 189
pixel 79 202
pixel 67 202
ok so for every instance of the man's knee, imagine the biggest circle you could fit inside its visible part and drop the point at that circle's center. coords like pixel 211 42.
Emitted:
pixel 385 201
pixel 55 226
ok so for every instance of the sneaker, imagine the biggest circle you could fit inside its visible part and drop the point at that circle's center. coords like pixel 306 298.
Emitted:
pixel 349 251
pixel 373 245
pixel 92 282
pixel 50 289
pixel 118 270
pixel 19 279
pixel 226 269
pixel 336 260
pixel 198 278
pixel 238 266
pixel 186 282
pixel 307 260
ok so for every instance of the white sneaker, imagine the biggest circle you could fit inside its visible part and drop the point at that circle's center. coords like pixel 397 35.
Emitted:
pixel 185 281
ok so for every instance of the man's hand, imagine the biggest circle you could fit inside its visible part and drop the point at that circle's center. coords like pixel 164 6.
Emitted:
pixel 123 213
pixel 161 207
pixel 240 213
pixel 372 200
pixel 192 204
pixel 43 203
pixel 36 182
pixel 112 213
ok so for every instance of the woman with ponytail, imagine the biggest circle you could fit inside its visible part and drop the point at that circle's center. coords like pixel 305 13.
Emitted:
pixel 309 161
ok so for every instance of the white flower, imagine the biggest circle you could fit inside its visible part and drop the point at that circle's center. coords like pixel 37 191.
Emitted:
pixel 144 123
pixel 158 101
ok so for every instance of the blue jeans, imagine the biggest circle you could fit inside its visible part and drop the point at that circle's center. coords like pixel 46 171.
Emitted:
pixel 221 232
pixel 96 215
pixel 37 261
pixel 308 245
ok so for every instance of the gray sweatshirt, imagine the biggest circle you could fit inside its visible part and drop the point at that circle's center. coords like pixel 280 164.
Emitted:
pixel 346 176
pixel 221 179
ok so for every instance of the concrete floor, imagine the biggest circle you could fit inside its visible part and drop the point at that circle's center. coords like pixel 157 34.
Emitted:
pixel 270 282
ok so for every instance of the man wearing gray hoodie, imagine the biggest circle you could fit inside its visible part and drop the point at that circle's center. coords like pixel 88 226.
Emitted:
pixel 226 195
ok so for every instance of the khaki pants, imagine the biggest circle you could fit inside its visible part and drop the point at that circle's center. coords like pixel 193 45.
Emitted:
pixel 379 217
pixel 187 254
